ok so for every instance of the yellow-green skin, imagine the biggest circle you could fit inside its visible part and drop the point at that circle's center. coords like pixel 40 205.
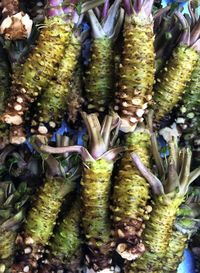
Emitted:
pixel 99 81
pixel 131 190
pixel 52 104
pixel 38 69
pixel 136 71
pixel 66 240
pixel 188 116
pixel 158 232
pixel 41 220
pixel 175 250
pixel 172 80
pixel 95 195
pixel 7 243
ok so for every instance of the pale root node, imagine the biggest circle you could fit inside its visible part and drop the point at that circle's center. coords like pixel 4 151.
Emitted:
pixel 19 99
pixel 16 119
pixel 42 130
pixel 149 97
pixel 137 101
pixel 17 140
pixel 120 233
pixel 140 113
pixel 126 126
pixel 26 269
pixel 29 241
pixel 127 254
pixel 18 107
pixel 52 124
pixel 17 26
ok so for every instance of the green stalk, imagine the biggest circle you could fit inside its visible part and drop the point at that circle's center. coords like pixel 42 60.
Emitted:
pixel 130 197
pixel 75 99
pixel 186 225
pixel 137 68
pixel 99 80
pixel 52 103
pixel 41 217
pixel 171 81
pixel 95 190
pixel 35 73
pixel 188 117
pixel 169 194
pixel 65 245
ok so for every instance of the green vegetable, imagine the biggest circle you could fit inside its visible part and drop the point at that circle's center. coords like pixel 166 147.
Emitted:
pixel 131 193
pixel 136 71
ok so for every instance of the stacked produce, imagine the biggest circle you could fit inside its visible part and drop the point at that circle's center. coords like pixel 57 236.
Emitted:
pixel 136 70
pixel 36 72
pixel 40 221
pixel 170 86
pixel 92 177
pixel 99 93
pixel 130 207
pixel 185 225
pixel 169 193
pixel 98 166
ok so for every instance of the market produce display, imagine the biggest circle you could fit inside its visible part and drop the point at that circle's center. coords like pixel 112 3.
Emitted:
pixel 168 194
pixel 99 93
pixel 99 135
pixel 130 207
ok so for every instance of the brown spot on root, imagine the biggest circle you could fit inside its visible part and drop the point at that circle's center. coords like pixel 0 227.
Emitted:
pixel 10 7
pixel 28 255
pixel 17 135
pixel 16 27
pixel 99 258
pixel 128 237
pixel 12 119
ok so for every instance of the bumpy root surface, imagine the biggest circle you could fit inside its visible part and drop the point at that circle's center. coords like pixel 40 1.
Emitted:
pixel 172 81
pixel 99 80
pixel 52 103
pixel 136 72
pixel 175 250
pixel 131 193
pixel 39 225
pixel 96 224
pixel 35 73
pixel 158 233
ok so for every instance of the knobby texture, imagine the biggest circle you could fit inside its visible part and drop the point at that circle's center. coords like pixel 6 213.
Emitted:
pixel 65 246
pixel 53 101
pixel 35 73
pixel 95 203
pixel 188 117
pixel 99 81
pixel 136 72
pixel 7 241
pixel 172 80
pixel 40 222
pixel 158 232
pixel 174 255
pixel 131 193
